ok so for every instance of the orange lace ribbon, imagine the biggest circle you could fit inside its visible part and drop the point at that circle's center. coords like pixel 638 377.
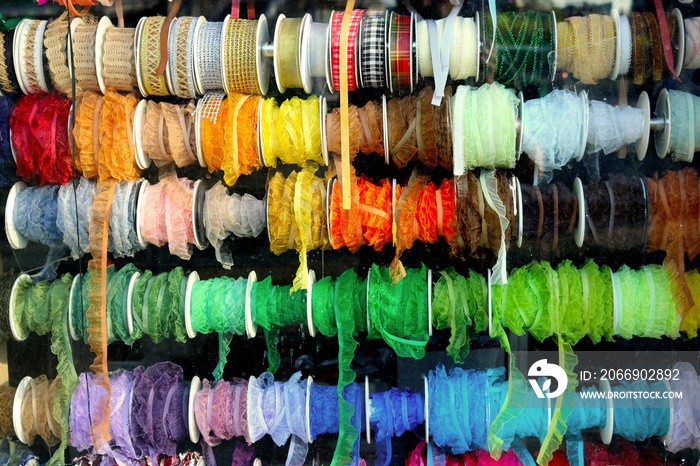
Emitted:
pixel 116 141
pixel 674 227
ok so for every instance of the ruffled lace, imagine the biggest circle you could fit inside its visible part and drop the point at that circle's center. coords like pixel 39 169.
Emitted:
pixel 240 137
pixel 86 132
pixel 116 142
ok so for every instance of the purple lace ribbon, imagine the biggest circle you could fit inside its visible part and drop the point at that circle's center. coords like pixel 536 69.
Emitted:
pixel 83 407
pixel 685 428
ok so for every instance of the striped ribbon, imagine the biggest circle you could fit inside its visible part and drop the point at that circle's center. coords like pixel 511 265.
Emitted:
pixel 373 49
pixel 400 52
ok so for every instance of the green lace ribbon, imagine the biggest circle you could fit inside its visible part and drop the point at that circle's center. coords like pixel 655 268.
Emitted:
pixel 117 305
pixel 162 310
pixel 459 303
pixel 218 305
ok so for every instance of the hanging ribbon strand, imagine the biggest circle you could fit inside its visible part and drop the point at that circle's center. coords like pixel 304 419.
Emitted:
pixel 291 132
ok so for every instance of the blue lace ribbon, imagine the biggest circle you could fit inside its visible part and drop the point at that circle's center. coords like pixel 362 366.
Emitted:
pixel 392 414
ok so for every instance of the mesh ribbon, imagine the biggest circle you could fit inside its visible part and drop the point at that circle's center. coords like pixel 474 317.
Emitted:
pixel 240 56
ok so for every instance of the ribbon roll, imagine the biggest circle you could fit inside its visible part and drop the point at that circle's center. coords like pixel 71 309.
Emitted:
pixel 691 59
pixel 240 71
pixel 553 135
pixel 400 52
pixel 296 216
pixel 234 215
pixel 118 61
pixel 624 34
pixel 373 49
pixel 366 130
pixel 55 42
pixel 8 77
pixel 611 128
pixel 32 69
pixel 419 131
pixel 288 53
pixel 151 83
pixel 550 212
pixel 208 44
pixel 181 56
pixel 165 214
pixel 169 133
pixel 354 29
pixel 483 128
pixel 291 132
pixel 524 47
pixel 117 159
pixel 85 69
pixel 685 131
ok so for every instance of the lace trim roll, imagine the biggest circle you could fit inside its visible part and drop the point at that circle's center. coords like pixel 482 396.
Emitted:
pixel 181 56
pixel 8 80
pixel 239 56
pixel 35 215
pixel 7 397
pixel 553 135
pixel 691 320
pixel 169 133
pixel 84 57
pixel 166 214
pixel 55 42
pixel 685 131
pixel 86 132
pixel 231 215
pixel 296 216
pixel 149 57
pixel 119 66
pixel 116 141
pixel 240 142
pixel 214 115
pixel 38 123
pixel 463 48
pixel 366 130
pixel 586 47
pixel 392 414
pixel 550 212
pixel 291 132
pixel 616 212
pixel 484 129
pixel 8 167
pixel 208 56
pixel 610 128
pixel 73 214
pixel 32 71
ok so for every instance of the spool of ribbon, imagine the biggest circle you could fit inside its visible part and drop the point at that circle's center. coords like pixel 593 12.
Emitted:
pixel 151 84
pixel 553 135
pixel 34 215
pixel 181 45
pixel 218 425
pixel 647 48
pixel 239 57
pixel 366 130
pixel 31 69
pixel 616 212
pixel 612 127
pixel 335 24
pixel 287 56
pixel 483 129
pixel 7 398
pixel 550 212
pixel 83 51
pixel 419 131
pixel 8 167
pixel 296 216
pixel 8 78
pixel 685 128
pixel 586 46
pixel 392 413
pixel 56 44
pixel 291 132
pixel 116 140
pixel 400 57
pixel 165 214
pixel 462 51
pixel 169 133
pixel 373 50
pixel 228 134
pixel 459 303
pixel 231 215
pixel 484 215
pixel 208 58
pixel 118 61
pixel 672 227
pixel 523 49
pixel 36 412
pixel 691 59
pixel 39 138
pixel 369 220
pixel 218 305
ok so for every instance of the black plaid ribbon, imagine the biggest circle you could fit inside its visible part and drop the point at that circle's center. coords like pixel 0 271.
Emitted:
pixel 373 37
